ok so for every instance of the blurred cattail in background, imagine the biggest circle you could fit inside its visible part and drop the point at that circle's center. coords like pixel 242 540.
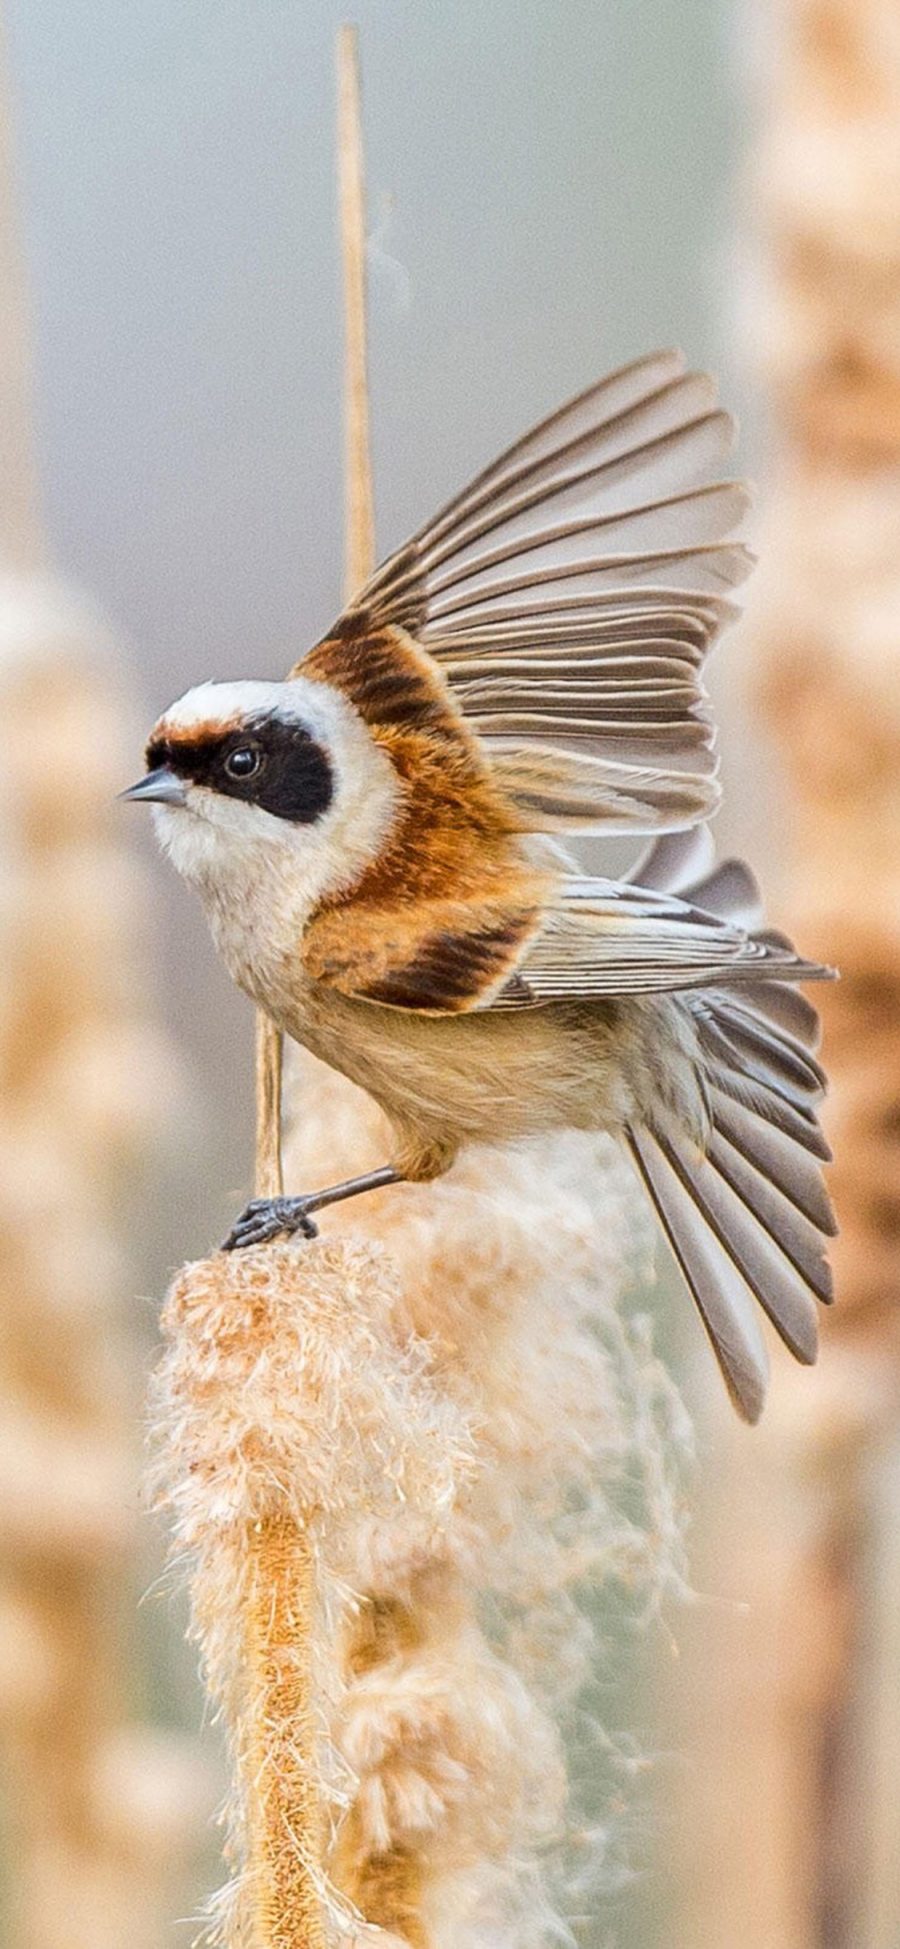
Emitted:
pixel 94 1805
pixel 794 1834
pixel 831 184
pixel 831 643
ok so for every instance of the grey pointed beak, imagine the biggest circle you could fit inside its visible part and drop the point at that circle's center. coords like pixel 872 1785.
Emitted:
pixel 162 787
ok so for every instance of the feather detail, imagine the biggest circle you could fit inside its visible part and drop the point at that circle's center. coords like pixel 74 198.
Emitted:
pixel 568 436
pixel 723 1302
pixel 569 596
pixel 776 1156
pixel 437 958
pixel 675 861
pixel 766 1274
pixel 751 1204
pixel 602 938
pixel 431 957
pixel 554 790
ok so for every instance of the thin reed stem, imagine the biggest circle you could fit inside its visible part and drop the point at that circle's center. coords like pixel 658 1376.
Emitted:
pixel 285 1842
pixel 359 550
pixel 385 1886
pixel 269 1049
pixel 360 516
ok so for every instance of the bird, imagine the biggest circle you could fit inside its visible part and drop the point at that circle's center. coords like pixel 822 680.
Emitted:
pixel 382 844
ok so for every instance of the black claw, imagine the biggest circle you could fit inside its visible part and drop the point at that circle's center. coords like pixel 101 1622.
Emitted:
pixel 267 1218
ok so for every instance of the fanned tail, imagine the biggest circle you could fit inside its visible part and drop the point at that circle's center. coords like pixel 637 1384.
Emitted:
pixel 748 1216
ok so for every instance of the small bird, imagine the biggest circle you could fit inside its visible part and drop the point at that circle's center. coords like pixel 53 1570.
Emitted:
pixel 379 843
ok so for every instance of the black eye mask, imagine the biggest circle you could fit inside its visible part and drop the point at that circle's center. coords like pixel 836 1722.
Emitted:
pixel 293 778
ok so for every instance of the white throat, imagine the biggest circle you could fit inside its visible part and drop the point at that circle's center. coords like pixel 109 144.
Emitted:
pixel 259 876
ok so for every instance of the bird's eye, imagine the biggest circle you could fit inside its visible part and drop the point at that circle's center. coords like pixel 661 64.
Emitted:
pixel 243 762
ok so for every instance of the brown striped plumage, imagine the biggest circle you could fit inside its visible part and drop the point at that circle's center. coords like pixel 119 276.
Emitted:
pixel 453 830
pixel 387 677
pixel 440 916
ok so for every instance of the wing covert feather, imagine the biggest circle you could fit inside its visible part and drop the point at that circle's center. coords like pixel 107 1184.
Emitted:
pixel 602 938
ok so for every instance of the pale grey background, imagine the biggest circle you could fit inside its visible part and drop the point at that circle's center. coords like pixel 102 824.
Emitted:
pixel 552 188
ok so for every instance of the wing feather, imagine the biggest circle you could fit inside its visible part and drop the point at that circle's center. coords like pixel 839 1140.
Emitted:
pixel 604 938
pixel 569 596
pixel 570 431
pixel 568 790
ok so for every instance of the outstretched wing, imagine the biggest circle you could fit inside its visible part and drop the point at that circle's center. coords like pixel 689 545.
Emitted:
pixel 601 938
pixel 570 595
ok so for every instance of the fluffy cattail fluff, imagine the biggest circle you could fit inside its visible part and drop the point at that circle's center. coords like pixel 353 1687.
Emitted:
pixel 93 1806
pixel 299 1419
pixel 465 1670
pixel 395 1478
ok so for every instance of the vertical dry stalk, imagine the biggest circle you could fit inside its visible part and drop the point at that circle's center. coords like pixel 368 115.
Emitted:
pixel 360 505
pixel 268 1178
pixel 276 1751
pixel 810 1854
pixel 384 1886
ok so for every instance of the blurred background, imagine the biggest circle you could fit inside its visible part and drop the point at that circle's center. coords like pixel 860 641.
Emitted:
pixel 551 192
pixel 548 191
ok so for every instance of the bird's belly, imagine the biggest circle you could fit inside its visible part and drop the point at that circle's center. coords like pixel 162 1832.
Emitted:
pixel 487 1077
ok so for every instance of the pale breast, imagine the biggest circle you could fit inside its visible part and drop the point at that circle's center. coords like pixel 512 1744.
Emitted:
pixel 484 1076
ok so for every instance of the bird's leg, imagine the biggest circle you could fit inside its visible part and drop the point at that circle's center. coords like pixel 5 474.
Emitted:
pixel 265 1218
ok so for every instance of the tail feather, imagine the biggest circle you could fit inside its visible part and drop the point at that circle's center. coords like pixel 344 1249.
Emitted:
pixel 748 1213
pixel 801 1241
pixel 773 1281
pixel 796 1125
pixel 771 1057
pixel 785 1008
pixel 775 1155
pixel 723 1301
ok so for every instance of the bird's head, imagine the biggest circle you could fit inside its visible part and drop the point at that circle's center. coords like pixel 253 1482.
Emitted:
pixel 248 780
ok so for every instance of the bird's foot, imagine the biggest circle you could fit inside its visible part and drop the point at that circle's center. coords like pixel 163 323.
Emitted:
pixel 266 1218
